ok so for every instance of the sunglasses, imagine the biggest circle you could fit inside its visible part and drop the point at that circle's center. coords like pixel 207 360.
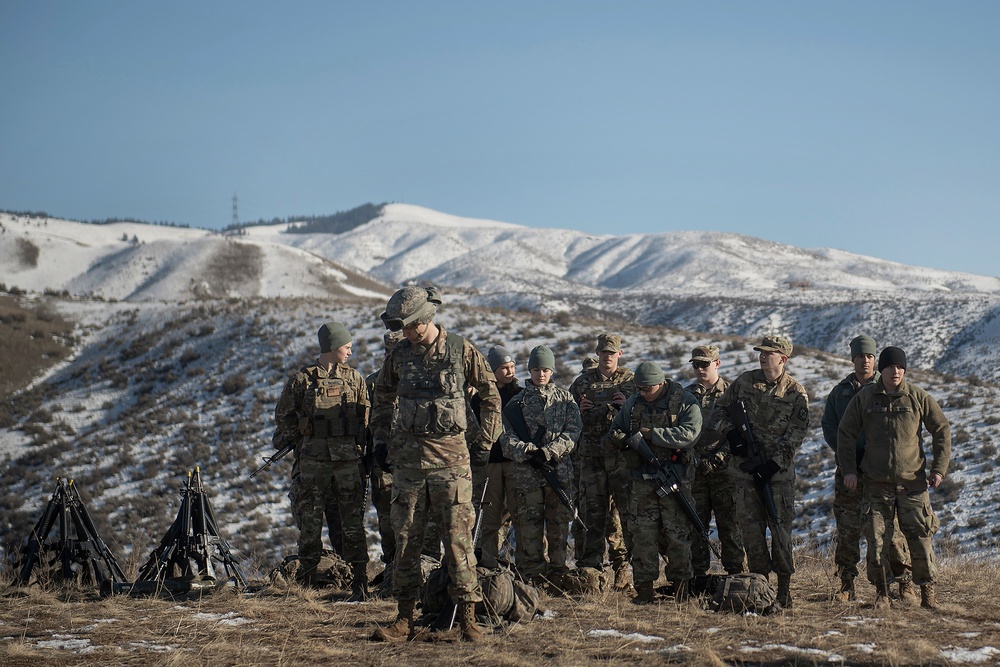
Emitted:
pixel 701 364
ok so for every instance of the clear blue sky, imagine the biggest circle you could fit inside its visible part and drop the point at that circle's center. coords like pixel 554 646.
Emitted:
pixel 866 126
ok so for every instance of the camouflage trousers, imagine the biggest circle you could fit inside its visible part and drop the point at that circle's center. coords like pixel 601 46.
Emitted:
pixel 332 511
pixel 848 510
pixel 381 499
pixel 888 504
pixel 714 493
pixel 754 524
pixel 444 494
pixel 659 525
pixel 497 510
pixel 542 526
pixel 320 481
pixel 602 494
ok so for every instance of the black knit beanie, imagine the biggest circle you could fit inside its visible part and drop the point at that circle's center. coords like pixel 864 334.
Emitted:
pixel 891 356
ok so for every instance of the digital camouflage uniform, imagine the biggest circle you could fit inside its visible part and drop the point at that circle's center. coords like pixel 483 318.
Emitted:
pixel 713 489
pixel 541 521
pixel 329 409
pixel 848 504
pixel 657 523
pixel 779 417
pixel 602 480
pixel 894 470
pixel 420 397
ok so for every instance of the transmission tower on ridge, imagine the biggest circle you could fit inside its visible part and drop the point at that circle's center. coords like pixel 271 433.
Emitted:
pixel 236 215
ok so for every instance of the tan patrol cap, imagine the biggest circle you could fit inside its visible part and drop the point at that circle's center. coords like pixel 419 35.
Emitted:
pixel 775 344
pixel 705 353
pixel 609 342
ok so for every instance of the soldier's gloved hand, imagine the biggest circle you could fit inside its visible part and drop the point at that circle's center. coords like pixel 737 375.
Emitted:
pixel 537 456
pixel 737 445
pixel 615 440
pixel 479 454
pixel 763 473
pixel 381 453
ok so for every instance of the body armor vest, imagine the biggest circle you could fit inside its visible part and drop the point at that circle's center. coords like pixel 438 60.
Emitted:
pixel 431 391
pixel 657 418
pixel 334 408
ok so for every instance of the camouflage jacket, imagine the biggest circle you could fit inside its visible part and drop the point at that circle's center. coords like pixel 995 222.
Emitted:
pixel 420 405
pixel 891 424
pixel 836 406
pixel 674 422
pixel 327 410
pixel 779 418
pixel 553 419
pixel 597 420
pixel 710 440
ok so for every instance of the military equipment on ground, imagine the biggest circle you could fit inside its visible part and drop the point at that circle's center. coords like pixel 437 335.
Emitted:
pixel 512 411
pixel 191 548
pixel 756 457
pixel 668 483
pixel 79 549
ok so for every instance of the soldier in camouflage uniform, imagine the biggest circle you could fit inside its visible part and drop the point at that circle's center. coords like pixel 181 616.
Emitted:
pixel 602 480
pixel 544 433
pixel 713 489
pixel 418 423
pixel 778 410
pixel 892 414
pixel 326 404
pixel 381 479
pixel 498 505
pixel 669 419
pixel 848 504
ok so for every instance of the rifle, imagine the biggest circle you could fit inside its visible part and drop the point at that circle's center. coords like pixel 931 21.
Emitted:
pixel 669 483
pixel 512 411
pixel 737 411
pixel 274 458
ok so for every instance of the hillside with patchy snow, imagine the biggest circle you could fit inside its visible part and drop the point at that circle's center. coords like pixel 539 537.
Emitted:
pixel 698 281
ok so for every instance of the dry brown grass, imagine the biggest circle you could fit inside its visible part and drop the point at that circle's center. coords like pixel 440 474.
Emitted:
pixel 301 627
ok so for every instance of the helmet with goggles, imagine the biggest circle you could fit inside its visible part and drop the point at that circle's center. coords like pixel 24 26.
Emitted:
pixel 410 305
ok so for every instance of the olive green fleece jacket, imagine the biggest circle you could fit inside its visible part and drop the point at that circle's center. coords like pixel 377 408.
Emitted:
pixel 891 425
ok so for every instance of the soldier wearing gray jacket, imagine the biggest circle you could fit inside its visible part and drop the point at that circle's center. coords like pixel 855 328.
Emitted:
pixel 891 414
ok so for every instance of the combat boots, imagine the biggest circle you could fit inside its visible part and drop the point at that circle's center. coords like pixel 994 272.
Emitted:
pixel 928 598
pixel 402 629
pixel 846 592
pixel 359 584
pixel 644 592
pixel 906 594
pixel 784 590
pixel 467 622
pixel 881 596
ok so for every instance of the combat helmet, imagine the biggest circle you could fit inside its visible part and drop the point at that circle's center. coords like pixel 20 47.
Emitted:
pixel 409 305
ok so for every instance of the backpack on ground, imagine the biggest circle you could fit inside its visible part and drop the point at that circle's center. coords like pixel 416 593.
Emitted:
pixel 747 593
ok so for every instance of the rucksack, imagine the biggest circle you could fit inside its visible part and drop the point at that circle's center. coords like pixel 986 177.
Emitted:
pixel 747 593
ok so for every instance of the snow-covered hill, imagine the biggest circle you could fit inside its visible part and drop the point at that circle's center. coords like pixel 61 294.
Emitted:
pixel 699 281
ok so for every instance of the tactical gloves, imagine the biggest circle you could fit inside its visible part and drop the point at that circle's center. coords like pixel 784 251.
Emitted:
pixel 763 473
pixel 381 452
pixel 737 445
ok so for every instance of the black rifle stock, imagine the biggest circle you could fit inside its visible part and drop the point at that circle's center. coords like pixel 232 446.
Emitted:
pixel 669 483
pixel 512 411
pixel 737 412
